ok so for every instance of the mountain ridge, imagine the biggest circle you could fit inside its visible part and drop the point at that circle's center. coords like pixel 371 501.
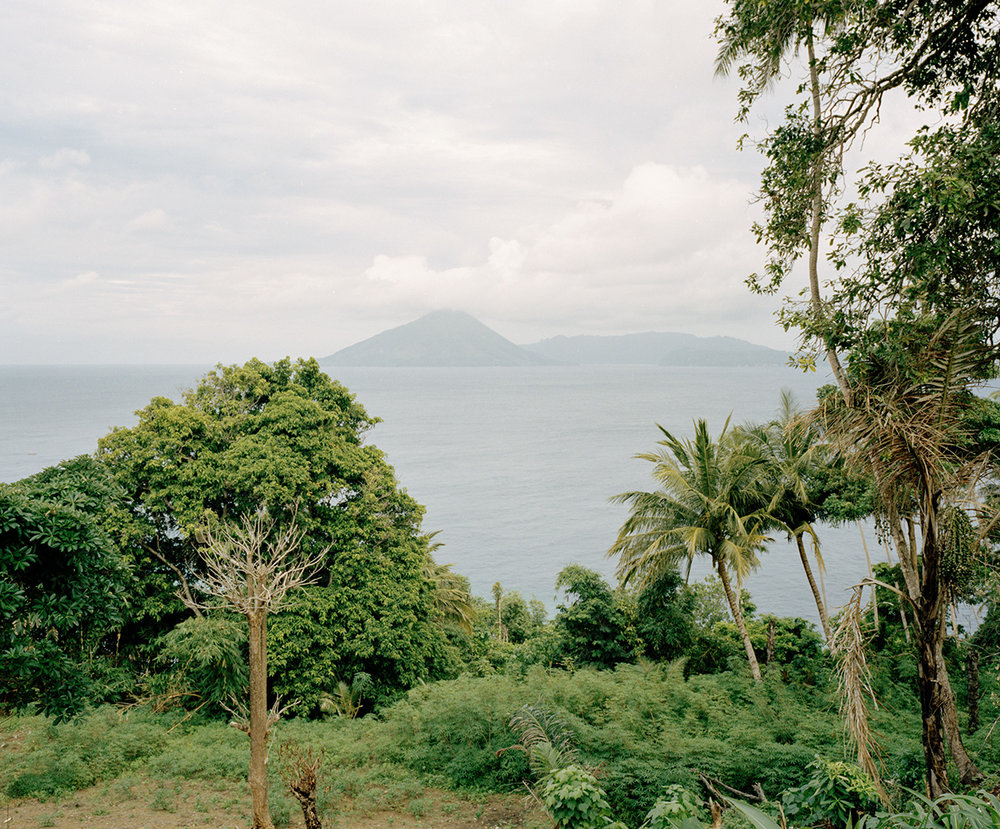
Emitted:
pixel 440 338
pixel 454 338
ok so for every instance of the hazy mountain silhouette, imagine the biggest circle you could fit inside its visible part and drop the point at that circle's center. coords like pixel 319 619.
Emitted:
pixel 662 349
pixel 441 338
pixel 454 338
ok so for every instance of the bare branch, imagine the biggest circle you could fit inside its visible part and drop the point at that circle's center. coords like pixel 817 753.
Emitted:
pixel 252 571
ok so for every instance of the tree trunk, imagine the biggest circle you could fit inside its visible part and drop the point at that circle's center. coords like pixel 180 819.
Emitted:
pixel 734 606
pixel 816 224
pixel 968 772
pixel 929 633
pixel 306 795
pixel 972 691
pixel 824 618
pixel 770 643
pixel 258 719
pixel 930 708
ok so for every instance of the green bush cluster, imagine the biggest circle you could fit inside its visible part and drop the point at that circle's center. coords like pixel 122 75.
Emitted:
pixel 68 756
pixel 646 727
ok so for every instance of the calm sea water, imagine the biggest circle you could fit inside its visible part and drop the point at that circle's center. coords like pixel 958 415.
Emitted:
pixel 514 465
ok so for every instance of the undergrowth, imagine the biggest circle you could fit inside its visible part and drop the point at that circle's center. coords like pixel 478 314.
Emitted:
pixel 640 727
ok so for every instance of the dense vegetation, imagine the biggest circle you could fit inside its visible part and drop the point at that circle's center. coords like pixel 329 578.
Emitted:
pixel 637 699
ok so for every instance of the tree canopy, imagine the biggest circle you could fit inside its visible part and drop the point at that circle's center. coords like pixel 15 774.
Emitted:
pixel 286 438
pixel 62 585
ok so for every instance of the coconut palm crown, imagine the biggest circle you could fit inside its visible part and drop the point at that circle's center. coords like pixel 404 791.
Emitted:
pixel 710 502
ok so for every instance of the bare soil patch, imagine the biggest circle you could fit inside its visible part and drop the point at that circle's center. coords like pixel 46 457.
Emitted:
pixel 143 803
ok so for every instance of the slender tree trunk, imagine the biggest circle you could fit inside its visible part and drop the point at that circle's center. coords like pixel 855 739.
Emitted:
pixel 816 224
pixel 930 632
pixel 257 620
pixel 968 772
pixel 824 618
pixel 769 658
pixel 972 691
pixel 933 734
pixel 734 606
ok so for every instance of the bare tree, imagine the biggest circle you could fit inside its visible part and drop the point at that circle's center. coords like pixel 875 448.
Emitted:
pixel 251 567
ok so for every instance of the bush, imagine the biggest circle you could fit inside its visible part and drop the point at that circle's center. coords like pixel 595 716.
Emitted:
pixel 575 801
pixel 206 661
pixel 70 756
pixel 836 794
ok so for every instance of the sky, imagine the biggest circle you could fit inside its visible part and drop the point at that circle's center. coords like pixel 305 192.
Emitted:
pixel 201 182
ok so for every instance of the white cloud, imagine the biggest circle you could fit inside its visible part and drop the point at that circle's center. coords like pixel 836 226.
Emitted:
pixel 155 219
pixel 63 158
pixel 668 250
pixel 294 178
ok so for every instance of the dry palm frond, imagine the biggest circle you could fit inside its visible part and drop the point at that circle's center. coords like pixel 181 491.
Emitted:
pixel 856 695
pixel 901 427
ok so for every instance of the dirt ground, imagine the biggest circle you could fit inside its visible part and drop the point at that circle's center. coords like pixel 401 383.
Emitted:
pixel 149 804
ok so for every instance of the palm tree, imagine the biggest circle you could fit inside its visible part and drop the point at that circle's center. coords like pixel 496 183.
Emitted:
pixel 451 601
pixel 793 453
pixel 709 503
pixel 907 429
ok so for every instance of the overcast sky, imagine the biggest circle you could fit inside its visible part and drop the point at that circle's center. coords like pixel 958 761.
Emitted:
pixel 208 181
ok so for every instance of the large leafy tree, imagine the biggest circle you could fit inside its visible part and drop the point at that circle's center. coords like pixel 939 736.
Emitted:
pixel 62 585
pixel 287 438
pixel 911 317
pixel 710 502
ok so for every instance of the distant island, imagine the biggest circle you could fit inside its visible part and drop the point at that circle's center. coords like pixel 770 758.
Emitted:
pixel 454 338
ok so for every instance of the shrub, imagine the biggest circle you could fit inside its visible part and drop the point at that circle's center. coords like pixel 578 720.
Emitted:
pixel 74 755
pixel 206 659
pixel 836 794
pixel 575 801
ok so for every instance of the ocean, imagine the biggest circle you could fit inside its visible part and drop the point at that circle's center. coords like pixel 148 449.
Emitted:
pixel 515 466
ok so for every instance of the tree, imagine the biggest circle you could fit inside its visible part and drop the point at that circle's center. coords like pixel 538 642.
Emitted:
pixel 919 318
pixel 251 568
pixel 804 155
pixel 62 586
pixel 794 455
pixel 710 502
pixel 591 626
pixel 940 51
pixel 664 616
pixel 914 249
pixel 287 437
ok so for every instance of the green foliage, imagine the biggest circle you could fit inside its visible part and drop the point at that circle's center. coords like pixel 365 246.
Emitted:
pixel 68 756
pixel 348 700
pixel 203 752
pixel 546 737
pixel 374 620
pixel 575 801
pixel 205 661
pixel 289 438
pixel 952 811
pixel 592 629
pixel 835 795
pixel 711 605
pixel 664 616
pixel 675 808
pixel 62 585
pixel 645 726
